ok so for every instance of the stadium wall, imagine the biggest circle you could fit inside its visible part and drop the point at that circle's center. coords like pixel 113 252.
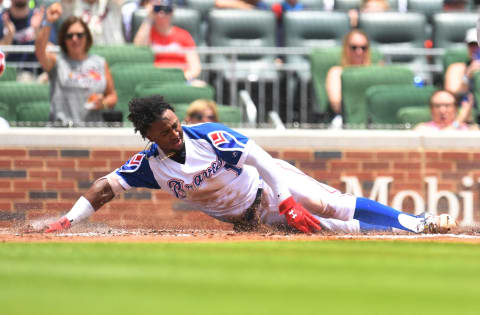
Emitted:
pixel 44 171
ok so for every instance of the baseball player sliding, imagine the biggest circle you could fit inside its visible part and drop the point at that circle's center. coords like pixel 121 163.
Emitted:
pixel 232 179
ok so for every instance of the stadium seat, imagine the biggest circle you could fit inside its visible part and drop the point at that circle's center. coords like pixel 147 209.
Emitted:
pixel 188 19
pixel 124 53
pixel 453 56
pixel 14 93
pixel 395 30
pixel 10 74
pixel 313 29
pixel 201 6
pixel 33 112
pixel 414 115
pixel 127 76
pixel 321 60
pixel 345 5
pixel 244 29
pixel 355 82
pixel 229 114
pixel 449 28
pixel 308 4
pixel 384 101
pixel 5 112
pixel 427 8
pixel 175 93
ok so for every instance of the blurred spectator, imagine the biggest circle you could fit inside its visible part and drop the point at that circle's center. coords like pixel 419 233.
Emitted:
pixel 103 17
pixel 355 52
pixel 242 4
pixel 127 15
pixel 459 75
pixel 81 85
pixel 455 5
pixel 18 26
pixel 367 6
pixel 157 30
pixel 443 106
pixel 201 111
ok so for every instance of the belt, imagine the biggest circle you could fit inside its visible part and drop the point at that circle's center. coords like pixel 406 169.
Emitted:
pixel 250 220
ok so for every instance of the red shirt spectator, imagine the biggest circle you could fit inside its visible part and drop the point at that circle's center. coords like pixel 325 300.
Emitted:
pixel 176 38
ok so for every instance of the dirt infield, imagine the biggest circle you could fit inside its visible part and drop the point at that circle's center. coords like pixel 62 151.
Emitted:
pixel 96 233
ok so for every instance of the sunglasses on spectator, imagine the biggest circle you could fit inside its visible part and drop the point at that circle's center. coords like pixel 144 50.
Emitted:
pixel 198 116
pixel 162 8
pixel 355 47
pixel 72 35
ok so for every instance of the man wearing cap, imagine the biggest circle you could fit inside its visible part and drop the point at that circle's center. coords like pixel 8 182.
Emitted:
pixel 459 76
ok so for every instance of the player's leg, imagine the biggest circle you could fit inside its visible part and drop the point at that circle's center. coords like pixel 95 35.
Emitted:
pixel 326 201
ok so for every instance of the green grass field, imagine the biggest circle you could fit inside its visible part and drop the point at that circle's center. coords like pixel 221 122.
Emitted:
pixel 327 277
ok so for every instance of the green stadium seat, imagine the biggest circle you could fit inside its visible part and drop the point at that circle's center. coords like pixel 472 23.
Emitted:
pixel 5 112
pixel 188 19
pixel 414 115
pixel 124 53
pixel 449 28
pixel 230 114
pixel 175 93
pixel 453 56
pixel 128 76
pixel 10 74
pixel 426 7
pixel 345 5
pixel 395 30
pixel 201 6
pixel 355 82
pixel 245 29
pixel 321 60
pixel 14 93
pixel 308 4
pixel 384 101
pixel 313 29
pixel 33 112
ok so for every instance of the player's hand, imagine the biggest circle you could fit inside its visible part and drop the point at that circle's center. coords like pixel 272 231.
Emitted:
pixel 299 217
pixel 60 225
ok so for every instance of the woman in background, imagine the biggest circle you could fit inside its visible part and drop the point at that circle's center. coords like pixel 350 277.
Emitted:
pixel 355 52
pixel 201 111
pixel 81 85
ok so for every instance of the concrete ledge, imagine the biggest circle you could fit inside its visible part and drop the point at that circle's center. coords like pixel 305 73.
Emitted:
pixel 270 138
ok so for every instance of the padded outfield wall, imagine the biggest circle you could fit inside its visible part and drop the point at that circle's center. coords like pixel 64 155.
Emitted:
pixel 43 171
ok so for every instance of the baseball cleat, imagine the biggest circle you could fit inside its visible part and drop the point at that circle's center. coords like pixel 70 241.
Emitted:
pixel 434 224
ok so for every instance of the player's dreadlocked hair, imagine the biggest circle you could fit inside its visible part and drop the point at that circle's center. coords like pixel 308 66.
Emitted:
pixel 144 111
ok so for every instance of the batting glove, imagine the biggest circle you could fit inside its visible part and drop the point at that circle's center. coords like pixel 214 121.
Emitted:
pixel 299 217
pixel 57 226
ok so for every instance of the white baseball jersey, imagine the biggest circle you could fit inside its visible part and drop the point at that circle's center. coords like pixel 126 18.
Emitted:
pixel 214 176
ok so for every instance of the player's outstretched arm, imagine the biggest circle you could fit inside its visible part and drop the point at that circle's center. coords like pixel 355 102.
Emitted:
pixel 97 195
pixel 297 216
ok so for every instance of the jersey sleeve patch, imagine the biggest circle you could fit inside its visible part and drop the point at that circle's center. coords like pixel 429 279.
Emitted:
pixel 224 141
pixel 136 172
pixel 133 164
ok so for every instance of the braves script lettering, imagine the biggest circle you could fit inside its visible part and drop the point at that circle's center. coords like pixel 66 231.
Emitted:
pixel 179 187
